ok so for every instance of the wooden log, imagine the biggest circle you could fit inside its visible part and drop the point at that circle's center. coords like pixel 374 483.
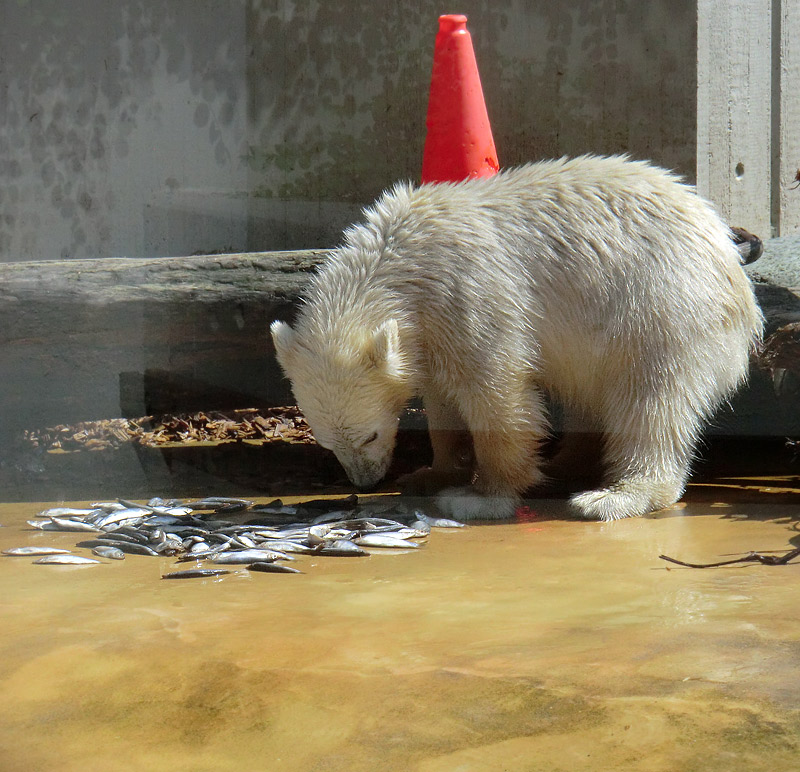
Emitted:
pixel 69 329
pixel 92 339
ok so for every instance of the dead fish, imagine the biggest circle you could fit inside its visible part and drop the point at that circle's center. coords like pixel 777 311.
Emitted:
pixel 284 545
pixel 343 548
pixel 159 502
pixel 107 506
pixel 384 540
pixel 438 522
pixel 121 515
pixel 168 546
pixel 220 503
pixel 126 534
pixel 249 556
pixel 245 541
pixel 67 512
pixel 43 525
pixel 64 524
pixel 162 520
pixel 36 551
pixel 316 534
pixel 196 573
pixel 66 560
pixel 273 568
pixel 158 510
pixel 104 551
pixel 128 547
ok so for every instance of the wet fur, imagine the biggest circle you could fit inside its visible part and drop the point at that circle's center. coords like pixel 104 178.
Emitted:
pixel 604 282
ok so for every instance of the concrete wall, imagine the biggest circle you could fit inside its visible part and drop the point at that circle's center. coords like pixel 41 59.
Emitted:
pixel 748 112
pixel 144 128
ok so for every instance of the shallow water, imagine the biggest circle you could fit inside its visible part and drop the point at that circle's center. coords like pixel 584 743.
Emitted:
pixel 543 645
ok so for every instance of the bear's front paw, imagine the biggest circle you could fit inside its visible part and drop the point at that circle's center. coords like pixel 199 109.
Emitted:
pixel 427 481
pixel 468 504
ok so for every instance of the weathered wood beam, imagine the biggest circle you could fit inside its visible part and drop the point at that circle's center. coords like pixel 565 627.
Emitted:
pixel 88 339
pixel 69 329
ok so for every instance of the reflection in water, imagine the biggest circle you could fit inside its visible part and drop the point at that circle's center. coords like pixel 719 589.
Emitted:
pixel 549 644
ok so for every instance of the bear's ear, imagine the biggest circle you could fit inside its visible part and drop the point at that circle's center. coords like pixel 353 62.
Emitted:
pixel 383 350
pixel 284 338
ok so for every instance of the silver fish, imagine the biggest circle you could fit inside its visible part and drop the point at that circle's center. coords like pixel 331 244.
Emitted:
pixel 342 548
pixel 159 502
pixel 120 515
pixel 169 547
pixel 273 568
pixel 162 520
pixel 107 506
pixel 284 545
pixel 64 524
pixel 220 502
pixel 66 512
pixel 384 540
pixel 196 573
pixel 438 522
pixel 317 533
pixel 66 560
pixel 245 541
pixel 36 551
pixel 158 510
pixel 128 548
pixel 249 556
pixel 43 525
pixel 104 551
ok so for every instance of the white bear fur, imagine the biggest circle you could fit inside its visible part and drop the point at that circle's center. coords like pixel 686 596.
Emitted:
pixel 603 282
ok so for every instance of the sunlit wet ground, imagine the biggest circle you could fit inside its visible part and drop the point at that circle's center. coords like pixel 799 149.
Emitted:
pixel 542 645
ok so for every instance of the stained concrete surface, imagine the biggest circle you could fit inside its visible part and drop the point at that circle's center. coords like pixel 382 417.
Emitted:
pixel 547 644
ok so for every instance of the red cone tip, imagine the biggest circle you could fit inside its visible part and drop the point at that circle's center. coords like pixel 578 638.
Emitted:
pixel 451 22
pixel 459 143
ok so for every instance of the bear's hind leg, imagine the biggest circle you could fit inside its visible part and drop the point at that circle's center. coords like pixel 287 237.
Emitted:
pixel 647 454
pixel 629 497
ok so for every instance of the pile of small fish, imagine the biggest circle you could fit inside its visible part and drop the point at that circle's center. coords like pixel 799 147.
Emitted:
pixel 196 531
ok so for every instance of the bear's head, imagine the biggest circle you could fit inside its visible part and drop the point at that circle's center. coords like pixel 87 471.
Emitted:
pixel 351 389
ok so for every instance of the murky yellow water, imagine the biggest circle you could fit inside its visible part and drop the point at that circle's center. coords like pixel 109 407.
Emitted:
pixel 548 645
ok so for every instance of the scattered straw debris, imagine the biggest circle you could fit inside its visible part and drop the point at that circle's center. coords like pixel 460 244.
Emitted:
pixel 278 424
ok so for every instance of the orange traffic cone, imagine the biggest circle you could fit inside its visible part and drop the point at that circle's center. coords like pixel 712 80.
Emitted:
pixel 459 142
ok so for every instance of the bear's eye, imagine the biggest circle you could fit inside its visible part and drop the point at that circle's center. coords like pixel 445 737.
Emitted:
pixel 372 437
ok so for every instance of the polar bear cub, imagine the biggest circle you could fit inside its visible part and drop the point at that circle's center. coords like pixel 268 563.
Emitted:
pixel 602 282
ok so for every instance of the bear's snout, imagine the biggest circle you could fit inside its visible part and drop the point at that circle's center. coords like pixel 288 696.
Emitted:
pixel 364 474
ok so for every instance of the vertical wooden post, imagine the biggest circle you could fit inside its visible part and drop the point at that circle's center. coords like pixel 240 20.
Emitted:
pixel 786 109
pixel 734 109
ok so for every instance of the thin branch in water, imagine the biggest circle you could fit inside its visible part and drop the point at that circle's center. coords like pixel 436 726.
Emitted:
pixel 750 557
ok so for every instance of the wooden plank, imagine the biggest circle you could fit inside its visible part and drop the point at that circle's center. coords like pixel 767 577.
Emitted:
pixel 786 95
pixel 734 76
